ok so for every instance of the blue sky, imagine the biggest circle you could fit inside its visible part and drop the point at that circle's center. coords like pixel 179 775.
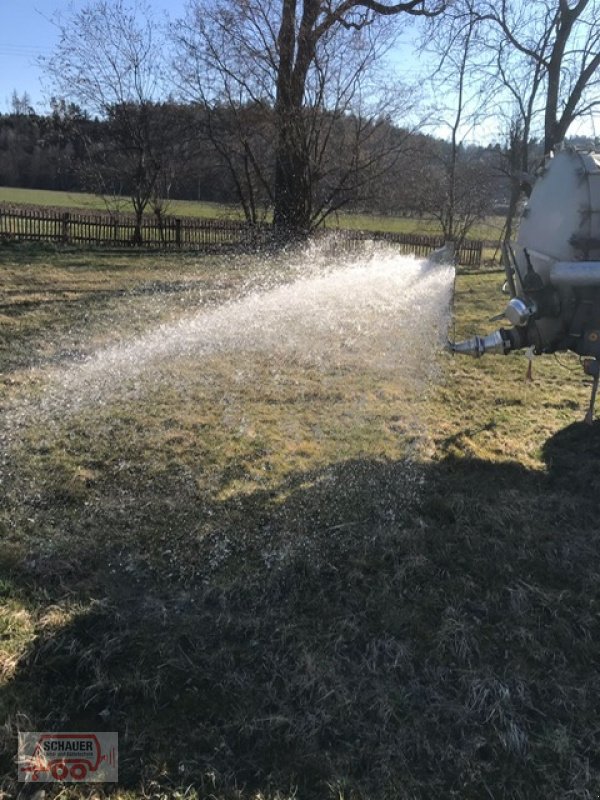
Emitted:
pixel 27 32
pixel 24 35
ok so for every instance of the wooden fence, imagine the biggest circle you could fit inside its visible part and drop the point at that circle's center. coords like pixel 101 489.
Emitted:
pixel 121 230
pixel 469 253
pixel 19 223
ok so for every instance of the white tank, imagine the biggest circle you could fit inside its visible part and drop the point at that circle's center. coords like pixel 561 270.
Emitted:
pixel 561 221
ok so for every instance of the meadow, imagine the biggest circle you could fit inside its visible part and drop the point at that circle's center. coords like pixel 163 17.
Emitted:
pixel 489 229
pixel 287 579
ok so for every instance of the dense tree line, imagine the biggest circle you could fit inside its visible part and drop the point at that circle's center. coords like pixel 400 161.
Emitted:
pixel 54 151
pixel 192 154
pixel 40 152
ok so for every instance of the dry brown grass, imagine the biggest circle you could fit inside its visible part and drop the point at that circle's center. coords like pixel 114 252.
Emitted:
pixel 286 589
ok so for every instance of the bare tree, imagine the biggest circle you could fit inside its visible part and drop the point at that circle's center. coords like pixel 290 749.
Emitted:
pixel 546 62
pixel 221 68
pixel 458 192
pixel 304 69
pixel 559 40
pixel 538 68
pixel 20 105
pixel 524 87
pixel 109 61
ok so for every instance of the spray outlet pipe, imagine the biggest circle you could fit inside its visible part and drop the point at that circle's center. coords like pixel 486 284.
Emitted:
pixel 501 341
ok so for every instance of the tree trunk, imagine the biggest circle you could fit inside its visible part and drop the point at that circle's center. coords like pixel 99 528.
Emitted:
pixel 291 216
pixel 292 195
pixel 137 238
pixel 513 204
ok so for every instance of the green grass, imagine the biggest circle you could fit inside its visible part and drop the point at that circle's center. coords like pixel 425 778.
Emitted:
pixel 271 581
pixel 489 229
pixel 90 202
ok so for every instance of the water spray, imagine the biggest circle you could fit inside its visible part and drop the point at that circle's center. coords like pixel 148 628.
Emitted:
pixel 553 270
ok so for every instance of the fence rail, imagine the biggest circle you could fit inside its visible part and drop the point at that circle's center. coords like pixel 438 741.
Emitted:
pixel 121 230
pixel 469 253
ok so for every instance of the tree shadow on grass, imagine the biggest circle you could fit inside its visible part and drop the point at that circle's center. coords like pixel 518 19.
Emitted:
pixel 388 630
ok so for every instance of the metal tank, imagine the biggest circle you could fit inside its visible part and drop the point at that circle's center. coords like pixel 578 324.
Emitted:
pixel 553 269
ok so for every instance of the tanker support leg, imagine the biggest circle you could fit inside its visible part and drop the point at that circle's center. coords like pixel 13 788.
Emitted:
pixel 591 366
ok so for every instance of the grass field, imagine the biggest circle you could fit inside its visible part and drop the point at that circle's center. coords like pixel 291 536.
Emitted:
pixel 278 581
pixel 91 202
pixel 490 229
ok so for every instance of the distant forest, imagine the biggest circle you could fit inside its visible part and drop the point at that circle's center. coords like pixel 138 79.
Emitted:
pixel 162 151
pixel 57 151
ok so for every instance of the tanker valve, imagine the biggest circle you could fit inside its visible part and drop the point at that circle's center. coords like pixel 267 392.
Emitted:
pixel 591 366
pixel 519 312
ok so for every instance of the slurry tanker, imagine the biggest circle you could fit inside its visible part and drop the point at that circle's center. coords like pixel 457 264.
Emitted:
pixel 553 269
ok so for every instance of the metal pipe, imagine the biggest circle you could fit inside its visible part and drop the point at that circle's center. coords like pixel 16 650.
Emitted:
pixel 575 273
pixel 497 342
pixel 509 268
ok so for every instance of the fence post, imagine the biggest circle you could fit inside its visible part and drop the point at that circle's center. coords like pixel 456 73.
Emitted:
pixel 66 219
pixel 178 232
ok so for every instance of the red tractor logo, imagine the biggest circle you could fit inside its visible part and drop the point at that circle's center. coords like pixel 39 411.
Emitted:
pixel 67 757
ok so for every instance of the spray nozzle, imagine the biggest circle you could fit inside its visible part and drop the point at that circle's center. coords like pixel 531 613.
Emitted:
pixel 497 342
